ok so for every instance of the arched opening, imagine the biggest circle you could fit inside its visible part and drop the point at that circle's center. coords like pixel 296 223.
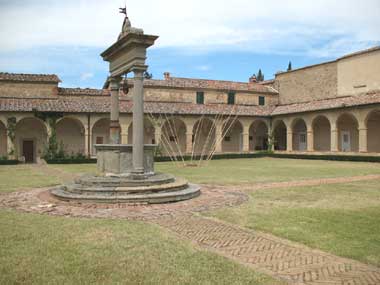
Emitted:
pixel 173 137
pixel 232 140
pixel 71 133
pixel 100 133
pixel 149 132
pixel 348 134
pixel 258 136
pixel 373 131
pixel 322 134
pixel 299 135
pixel 3 140
pixel 203 136
pixel 30 139
pixel 280 136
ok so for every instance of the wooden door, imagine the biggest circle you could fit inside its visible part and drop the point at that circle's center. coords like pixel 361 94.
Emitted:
pixel 28 151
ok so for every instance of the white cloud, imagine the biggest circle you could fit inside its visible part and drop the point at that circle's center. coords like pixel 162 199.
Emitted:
pixel 203 67
pixel 86 75
pixel 320 28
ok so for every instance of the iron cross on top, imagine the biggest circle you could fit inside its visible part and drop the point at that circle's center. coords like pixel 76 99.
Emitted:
pixel 123 11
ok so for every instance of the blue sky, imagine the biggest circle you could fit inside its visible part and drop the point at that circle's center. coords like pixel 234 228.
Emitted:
pixel 198 38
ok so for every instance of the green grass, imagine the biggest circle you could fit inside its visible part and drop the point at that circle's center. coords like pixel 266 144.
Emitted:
pixel 19 177
pixel 255 170
pixel 39 249
pixel 343 219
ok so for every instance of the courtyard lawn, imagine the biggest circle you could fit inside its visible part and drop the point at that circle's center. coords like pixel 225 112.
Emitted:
pixel 20 177
pixel 38 249
pixel 255 170
pixel 343 219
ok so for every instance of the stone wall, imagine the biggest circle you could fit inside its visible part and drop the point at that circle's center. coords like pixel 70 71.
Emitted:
pixel 307 84
pixel 359 73
pixel 29 90
pixel 210 96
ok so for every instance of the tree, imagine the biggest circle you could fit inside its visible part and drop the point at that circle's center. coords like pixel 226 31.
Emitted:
pixel 260 76
pixel 148 75
pixel 289 66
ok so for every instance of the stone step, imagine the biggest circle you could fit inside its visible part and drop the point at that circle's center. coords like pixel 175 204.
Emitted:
pixel 178 184
pixel 189 192
pixel 104 181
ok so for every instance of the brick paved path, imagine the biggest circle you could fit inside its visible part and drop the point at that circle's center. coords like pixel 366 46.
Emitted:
pixel 280 258
pixel 277 257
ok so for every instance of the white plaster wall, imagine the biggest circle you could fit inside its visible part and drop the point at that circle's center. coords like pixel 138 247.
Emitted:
pixel 71 133
pixel 31 129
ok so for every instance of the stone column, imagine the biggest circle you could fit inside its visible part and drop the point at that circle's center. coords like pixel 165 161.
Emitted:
pixel 289 141
pixel 138 121
pixel 189 141
pixel 363 140
pixel 334 139
pixel 87 141
pixel 114 124
pixel 218 138
pixel 245 142
pixel 310 141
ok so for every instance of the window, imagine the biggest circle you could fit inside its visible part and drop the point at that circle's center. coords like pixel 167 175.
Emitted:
pixel 172 138
pixel 200 97
pixel 227 139
pixel 250 138
pixel 99 140
pixel 261 100
pixel 231 98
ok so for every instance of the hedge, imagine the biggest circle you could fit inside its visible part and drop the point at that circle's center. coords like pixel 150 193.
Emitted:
pixel 239 155
pixel 8 161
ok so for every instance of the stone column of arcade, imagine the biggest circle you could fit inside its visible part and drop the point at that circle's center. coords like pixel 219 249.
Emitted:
pixel 126 172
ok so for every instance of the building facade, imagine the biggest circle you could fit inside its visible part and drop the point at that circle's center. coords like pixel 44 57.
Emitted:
pixel 330 107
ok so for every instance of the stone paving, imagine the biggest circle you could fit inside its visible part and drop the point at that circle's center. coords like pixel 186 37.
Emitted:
pixel 280 258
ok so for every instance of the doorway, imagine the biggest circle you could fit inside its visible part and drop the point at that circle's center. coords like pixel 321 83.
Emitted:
pixel 28 150
pixel 346 141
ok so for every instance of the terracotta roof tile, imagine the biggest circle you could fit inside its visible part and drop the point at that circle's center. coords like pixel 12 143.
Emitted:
pixel 21 77
pixel 82 92
pixel 372 97
pixel 102 105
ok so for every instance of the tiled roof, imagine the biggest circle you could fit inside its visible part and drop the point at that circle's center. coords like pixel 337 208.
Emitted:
pixel 176 82
pixel 82 92
pixel 102 105
pixel 372 97
pixel 5 76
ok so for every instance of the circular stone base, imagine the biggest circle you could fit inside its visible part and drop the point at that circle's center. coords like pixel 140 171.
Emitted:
pixel 155 189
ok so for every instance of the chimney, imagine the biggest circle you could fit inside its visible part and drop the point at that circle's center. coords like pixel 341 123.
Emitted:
pixel 253 79
pixel 167 75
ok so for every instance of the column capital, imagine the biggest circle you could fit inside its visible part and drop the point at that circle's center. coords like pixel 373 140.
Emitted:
pixel 139 70
pixel 115 83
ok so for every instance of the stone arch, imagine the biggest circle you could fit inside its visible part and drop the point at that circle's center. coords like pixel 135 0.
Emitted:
pixel 149 132
pixel 373 131
pixel 299 129
pixel 233 132
pixel 280 135
pixel 173 137
pixel 258 135
pixel 3 139
pixel 204 137
pixel 30 139
pixel 71 133
pixel 321 133
pixel 348 134
pixel 100 132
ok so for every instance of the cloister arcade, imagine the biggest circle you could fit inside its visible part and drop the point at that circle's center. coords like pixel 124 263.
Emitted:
pixel 342 130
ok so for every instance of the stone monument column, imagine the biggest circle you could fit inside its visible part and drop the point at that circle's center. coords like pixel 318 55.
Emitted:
pixel 138 120
pixel 114 124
